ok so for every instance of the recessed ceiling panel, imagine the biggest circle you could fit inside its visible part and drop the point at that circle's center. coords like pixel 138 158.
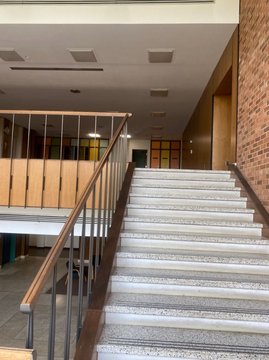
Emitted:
pixel 159 92
pixel 160 55
pixel 10 55
pixel 83 55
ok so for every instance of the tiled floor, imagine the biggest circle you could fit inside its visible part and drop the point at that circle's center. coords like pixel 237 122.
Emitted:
pixel 14 281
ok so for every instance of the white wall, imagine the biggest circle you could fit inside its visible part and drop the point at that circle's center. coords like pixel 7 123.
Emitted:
pixel 138 145
pixel 220 11
pixel 48 241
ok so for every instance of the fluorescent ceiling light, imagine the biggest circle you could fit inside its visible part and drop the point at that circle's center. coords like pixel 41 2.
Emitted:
pixel 83 55
pixel 160 55
pixel 128 136
pixel 10 55
pixel 93 135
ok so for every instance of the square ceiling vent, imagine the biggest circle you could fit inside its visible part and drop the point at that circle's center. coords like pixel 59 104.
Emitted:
pixel 10 55
pixel 159 92
pixel 83 55
pixel 158 114
pixel 2 92
pixel 160 55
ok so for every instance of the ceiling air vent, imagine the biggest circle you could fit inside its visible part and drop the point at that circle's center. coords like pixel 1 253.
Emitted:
pixel 38 68
pixel 2 92
pixel 158 113
pixel 160 55
pixel 159 92
pixel 10 55
pixel 83 55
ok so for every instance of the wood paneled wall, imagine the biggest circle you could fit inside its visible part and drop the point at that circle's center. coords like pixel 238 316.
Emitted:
pixel 197 137
pixel 44 183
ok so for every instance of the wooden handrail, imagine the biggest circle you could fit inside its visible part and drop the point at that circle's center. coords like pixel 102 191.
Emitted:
pixel 68 113
pixel 7 353
pixel 30 298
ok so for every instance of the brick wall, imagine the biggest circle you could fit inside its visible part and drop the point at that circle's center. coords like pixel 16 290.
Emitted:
pixel 253 96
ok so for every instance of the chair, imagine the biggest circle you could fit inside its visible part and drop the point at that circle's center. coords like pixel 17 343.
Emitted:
pixel 75 271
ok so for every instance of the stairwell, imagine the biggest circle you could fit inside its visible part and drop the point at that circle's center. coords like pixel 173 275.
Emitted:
pixel 191 276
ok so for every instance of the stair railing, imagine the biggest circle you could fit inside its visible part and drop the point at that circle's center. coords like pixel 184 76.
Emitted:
pixel 103 188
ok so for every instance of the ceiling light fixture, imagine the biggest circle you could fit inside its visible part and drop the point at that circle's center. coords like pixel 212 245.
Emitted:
pixel 128 136
pixel 93 135
pixel 75 91
pixel 160 55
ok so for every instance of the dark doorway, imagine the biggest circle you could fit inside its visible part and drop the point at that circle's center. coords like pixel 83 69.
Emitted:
pixel 140 158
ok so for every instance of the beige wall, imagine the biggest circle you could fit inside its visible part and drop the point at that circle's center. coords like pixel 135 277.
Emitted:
pixel 197 137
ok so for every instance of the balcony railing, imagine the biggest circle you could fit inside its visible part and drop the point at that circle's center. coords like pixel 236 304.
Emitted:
pixel 102 190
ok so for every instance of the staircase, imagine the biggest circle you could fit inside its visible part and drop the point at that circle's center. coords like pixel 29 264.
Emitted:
pixel 191 278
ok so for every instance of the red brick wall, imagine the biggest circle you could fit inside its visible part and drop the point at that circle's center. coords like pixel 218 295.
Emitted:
pixel 253 96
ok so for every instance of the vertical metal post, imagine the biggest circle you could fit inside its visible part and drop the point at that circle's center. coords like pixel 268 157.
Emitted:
pixel 110 200
pixel 97 248
pixel 61 158
pixel 78 140
pixel 11 160
pixel 82 267
pixel 91 248
pixel 51 345
pixel 105 220
pixel 30 331
pixel 69 298
pixel 44 157
pixel 112 128
pixel 114 195
pixel 27 159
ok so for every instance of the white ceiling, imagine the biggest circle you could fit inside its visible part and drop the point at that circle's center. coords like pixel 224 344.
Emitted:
pixel 125 83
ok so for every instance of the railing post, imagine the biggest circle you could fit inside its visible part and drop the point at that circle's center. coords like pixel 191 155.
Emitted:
pixel 51 345
pixel 81 278
pixel 69 298
pixel 30 331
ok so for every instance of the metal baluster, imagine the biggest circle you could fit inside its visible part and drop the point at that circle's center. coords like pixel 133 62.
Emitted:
pixel 27 159
pixel 81 278
pixel 69 298
pixel 97 245
pixel 30 331
pixel 110 190
pixel 61 158
pixel 51 345
pixel 114 193
pixel 105 220
pixel 90 268
pixel 44 157
pixel 11 159
pixel 76 192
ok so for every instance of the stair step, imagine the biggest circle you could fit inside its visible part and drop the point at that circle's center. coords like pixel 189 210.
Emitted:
pixel 187 312
pixel 189 212
pixel 182 173
pixel 194 242
pixel 126 342
pixel 200 261
pixel 192 225
pixel 190 283
pixel 183 182
pixel 208 200
pixel 228 193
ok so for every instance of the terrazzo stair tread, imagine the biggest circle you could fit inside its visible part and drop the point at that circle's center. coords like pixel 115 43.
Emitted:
pixel 151 234
pixel 239 306
pixel 191 208
pixel 192 255
pixel 196 221
pixel 179 182
pixel 172 212
pixel 229 193
pixel 176 283
pixel 173 198
pixel 181 344
pixel 193 245
pixel 171 307
pixel 152 172
pixel 183 177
